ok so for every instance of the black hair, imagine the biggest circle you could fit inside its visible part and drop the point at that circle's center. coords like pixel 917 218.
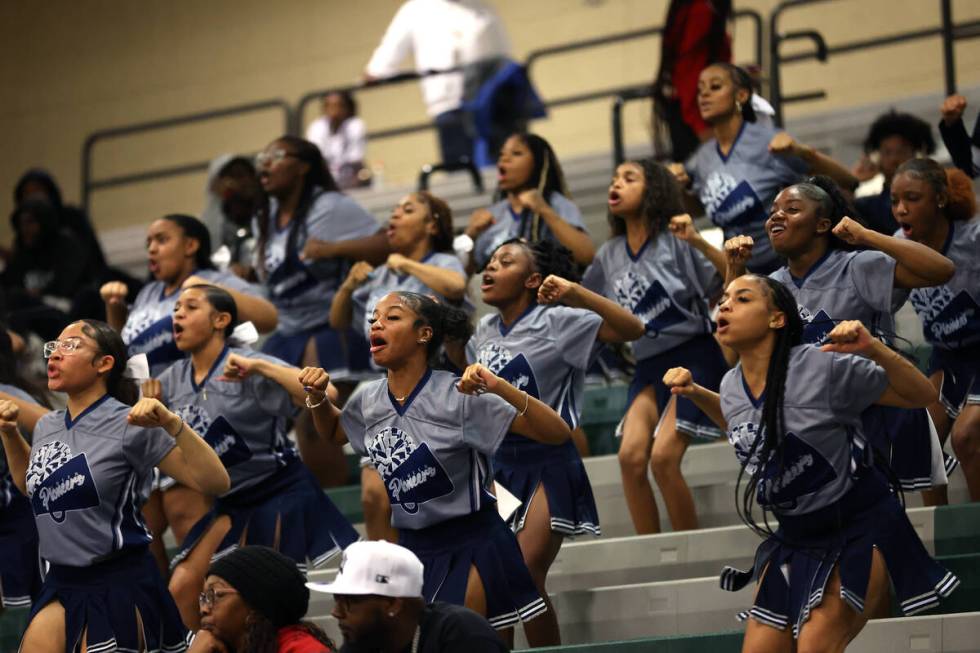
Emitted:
pixel 547 257
pixel 832 204
pixel 262 636
pixel 10 375
pixel 111 344
pixel 957 199
pixel 235 165
pixel 45 180
pixel 447 322
pixel 221 301
pixel 197 230
pixel 546 174
pixel 442 215
pixel 661 199
pixel 347 98
pixel 316 181
pixel 742 81
pixel 47 218
pixel 768 443
pixel 913 129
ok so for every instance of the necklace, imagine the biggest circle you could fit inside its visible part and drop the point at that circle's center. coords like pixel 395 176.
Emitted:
pixel 400 400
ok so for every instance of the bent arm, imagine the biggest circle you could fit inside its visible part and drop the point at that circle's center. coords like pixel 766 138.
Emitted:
pixel 907 386
pixel 18 452
pixel 448 283
pixel 193 462
pixel 28 412
pixel 539 422
pixel 709 403
pixel 820 164
pixel 116 315
pixel 576 240
pixel 918 265
pixel 618 324
pixel 326 420
pixel 257 310
pixel 342 308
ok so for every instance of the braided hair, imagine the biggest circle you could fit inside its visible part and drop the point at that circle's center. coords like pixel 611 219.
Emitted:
pixel 768 444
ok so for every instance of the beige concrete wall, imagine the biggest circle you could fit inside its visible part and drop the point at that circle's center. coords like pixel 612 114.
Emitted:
pixel 69 68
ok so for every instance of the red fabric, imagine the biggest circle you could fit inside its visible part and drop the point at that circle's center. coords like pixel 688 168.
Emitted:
pixel 687 38
pixel 294 639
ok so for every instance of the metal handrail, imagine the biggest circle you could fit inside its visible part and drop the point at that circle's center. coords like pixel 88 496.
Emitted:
pixel 464 165
pixel 626 95
pixel 293 115
pixel 948 30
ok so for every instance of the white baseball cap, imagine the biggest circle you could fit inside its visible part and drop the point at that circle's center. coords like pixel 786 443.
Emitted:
pixel 379 568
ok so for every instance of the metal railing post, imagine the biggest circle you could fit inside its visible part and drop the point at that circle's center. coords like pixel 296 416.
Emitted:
pixel 949 62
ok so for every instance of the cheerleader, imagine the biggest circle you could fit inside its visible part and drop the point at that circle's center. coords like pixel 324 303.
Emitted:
pixel 85 474
pixel 934 207
pixel 304 246
pixel 420 236
pixel 808 226
pixel 178 248
pixel 793 414
pixel 534 204
pixel 242 414
pixel 545 349
pixel 432 436
pixel 667 282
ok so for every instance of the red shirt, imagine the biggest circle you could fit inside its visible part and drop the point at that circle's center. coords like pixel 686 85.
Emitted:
pixel 295 639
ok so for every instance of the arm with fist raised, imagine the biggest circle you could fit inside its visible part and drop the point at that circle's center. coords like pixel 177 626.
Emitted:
pixel 316 385
pixel 578 242
pixel 14 445
pixel 681 383
pixel 618 324
pixel 738 251
pixel 682 226
pixel 192 462
pixel 113 296
pixel 342 306
pixel 817 163
pixel 238 368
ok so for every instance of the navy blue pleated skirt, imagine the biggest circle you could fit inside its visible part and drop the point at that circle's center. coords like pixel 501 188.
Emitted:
pixel 289 507
pixel 794 565
pixel 20 565
pixel 112 602
pixel 484 541
pixel 961 377
pixel 521 465
pixel 905 438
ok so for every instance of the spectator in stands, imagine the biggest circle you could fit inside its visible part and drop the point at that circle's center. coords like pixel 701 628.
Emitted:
pixel 342 139
pixel 443 34
pixel 253 602
pixel 379 605
pixel 734 176
pixel 695 36
pixel 420 235
pixel 793 412
pixel 832 280
pixel 545 349
pixel 304 248
pixel 534 204
pixel 667 280
pixel 86 470
pixel 47 270
pixel 935 207
pixel 893 139
pixel 964 149
pixel 423 419
pixel 242 413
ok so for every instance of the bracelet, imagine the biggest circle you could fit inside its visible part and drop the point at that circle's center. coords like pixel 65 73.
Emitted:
pixel 319 403
pixel 527 402
pixel 174 436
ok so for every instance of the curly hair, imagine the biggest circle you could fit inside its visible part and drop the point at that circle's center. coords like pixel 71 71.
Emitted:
pixel 911 128
pixel 661 199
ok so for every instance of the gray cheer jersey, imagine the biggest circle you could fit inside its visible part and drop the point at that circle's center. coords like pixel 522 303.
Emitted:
pixel 303 290
pixel 149 329
pixel 667 284
pixel 509 224
pixel 950 313
pixel 545 352
pixel 8 490
pixel 824 397
pixel 243 421
pixel 846 286
pixel 384 280
pixel 434 451
pixel 86 480
pixel 737 190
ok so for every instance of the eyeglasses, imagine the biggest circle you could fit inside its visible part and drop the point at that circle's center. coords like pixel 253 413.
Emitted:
pixel 208 598
pixel 264 159
pixel 67 346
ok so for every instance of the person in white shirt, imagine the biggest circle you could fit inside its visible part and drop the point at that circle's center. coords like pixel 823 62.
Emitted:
pixel 442 34
pixel 341 137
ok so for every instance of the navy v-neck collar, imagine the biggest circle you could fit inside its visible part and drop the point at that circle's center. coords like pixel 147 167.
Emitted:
pixel 639 253
pixel 401 408
pixel 69 422
pixel 214 366
pixel 756 403
pixel 799 281
pixel 504 329
pixel 731 150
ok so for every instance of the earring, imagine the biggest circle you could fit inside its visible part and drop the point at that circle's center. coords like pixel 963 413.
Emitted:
pixel 422 341
pixel 391 614
pixel 738 106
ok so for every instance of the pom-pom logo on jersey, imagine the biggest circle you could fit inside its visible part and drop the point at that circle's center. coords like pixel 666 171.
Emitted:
pixel 649 301
pixel 730 202
pixel 816 327
pixel 742 437
pixel 227 442
pixel 58 482
pixel 516 370
pixel 412 474
pixel 947 318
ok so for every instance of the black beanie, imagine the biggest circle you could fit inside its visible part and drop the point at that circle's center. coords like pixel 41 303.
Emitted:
pixel 268 581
